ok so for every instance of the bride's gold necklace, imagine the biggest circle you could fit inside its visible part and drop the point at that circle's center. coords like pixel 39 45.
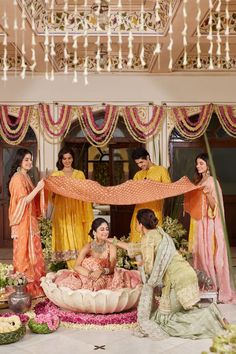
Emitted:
pixel 98 247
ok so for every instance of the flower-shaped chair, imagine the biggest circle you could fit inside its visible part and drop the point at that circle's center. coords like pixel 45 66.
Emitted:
pixel 84 300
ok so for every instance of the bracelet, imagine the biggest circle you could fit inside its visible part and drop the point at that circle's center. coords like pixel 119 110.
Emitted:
pixel 106 271
pixel 114 241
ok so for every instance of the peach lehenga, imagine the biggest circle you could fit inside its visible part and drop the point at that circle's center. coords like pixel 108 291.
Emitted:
pixel 121 278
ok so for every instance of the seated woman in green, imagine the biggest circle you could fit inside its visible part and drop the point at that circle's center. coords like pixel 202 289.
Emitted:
pixel 165 269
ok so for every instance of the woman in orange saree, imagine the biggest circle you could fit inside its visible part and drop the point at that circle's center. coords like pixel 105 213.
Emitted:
pixel 23 213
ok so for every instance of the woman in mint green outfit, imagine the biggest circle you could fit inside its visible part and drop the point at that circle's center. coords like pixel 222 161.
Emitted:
pixel 164 268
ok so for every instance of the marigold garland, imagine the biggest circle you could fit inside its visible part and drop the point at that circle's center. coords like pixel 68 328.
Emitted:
pixel 13 132
pixel 99 136
pixel 14 136
pixel 187 128
pixel 52 127
pixel 143 130
pixel 227 118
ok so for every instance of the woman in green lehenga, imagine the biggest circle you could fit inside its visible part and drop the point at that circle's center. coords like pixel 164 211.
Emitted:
pixel 164 269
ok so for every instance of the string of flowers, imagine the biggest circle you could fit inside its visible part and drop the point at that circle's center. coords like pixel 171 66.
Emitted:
pixel 110 118
pixel 53 127
pixel 95 135
pixel 146 129
pixel 14 136
pixel 188 128
pixel 227 118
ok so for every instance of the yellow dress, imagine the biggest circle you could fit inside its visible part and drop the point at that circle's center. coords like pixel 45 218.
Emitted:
pixel 158 174
pixel 71 222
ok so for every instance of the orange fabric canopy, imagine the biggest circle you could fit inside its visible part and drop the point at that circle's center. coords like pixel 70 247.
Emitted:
pixel 130 192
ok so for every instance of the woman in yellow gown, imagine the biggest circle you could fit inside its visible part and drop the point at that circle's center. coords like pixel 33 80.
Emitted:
pixel 71 218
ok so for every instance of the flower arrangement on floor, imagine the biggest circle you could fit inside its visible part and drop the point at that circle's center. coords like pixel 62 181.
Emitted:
pixel 44 323
pixel 11 329
pixel 225 343
pixel 178 233
pixel 5 271
pixel 75 319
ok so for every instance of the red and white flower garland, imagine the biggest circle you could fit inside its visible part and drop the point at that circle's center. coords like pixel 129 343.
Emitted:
pixel 141 131
pixel 227 118
pixel 14 133
pixel 98 135
pixel 188 128
pixel 51 126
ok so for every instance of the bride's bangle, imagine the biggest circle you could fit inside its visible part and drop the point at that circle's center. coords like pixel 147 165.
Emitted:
pixel 106 271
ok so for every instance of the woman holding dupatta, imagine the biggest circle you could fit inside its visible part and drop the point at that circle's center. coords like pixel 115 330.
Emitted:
pixel 23 213
pixel 71 218
pixel 165 270
pixel 206 236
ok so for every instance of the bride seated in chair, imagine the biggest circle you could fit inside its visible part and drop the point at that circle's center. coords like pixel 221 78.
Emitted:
pixel 95 266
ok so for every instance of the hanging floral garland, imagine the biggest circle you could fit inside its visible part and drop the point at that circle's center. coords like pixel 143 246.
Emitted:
pixel 188 128
pixel 14 136
pixel 227 118
pixel 52 127
pixel 98 135
pixel 143 130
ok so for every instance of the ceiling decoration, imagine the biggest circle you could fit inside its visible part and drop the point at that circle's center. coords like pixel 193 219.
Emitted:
pixel 150 36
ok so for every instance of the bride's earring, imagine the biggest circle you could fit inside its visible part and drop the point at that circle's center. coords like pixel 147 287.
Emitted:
pixel 95 236
pixel 18 169
pixel 208 172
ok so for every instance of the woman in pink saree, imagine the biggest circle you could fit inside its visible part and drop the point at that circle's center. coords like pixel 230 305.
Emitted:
pixel 95 266
pixel 206 237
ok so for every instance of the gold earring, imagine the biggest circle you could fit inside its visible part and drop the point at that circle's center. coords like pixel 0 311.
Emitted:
pixel 208 172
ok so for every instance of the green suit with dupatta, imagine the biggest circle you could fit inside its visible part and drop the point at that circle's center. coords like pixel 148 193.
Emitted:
pixel 176 314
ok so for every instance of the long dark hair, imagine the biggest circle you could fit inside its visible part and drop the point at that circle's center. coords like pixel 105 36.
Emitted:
pixel 20 154
pixel 198 176
pixel 95 225
pixel 147 218
pixel 62 152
